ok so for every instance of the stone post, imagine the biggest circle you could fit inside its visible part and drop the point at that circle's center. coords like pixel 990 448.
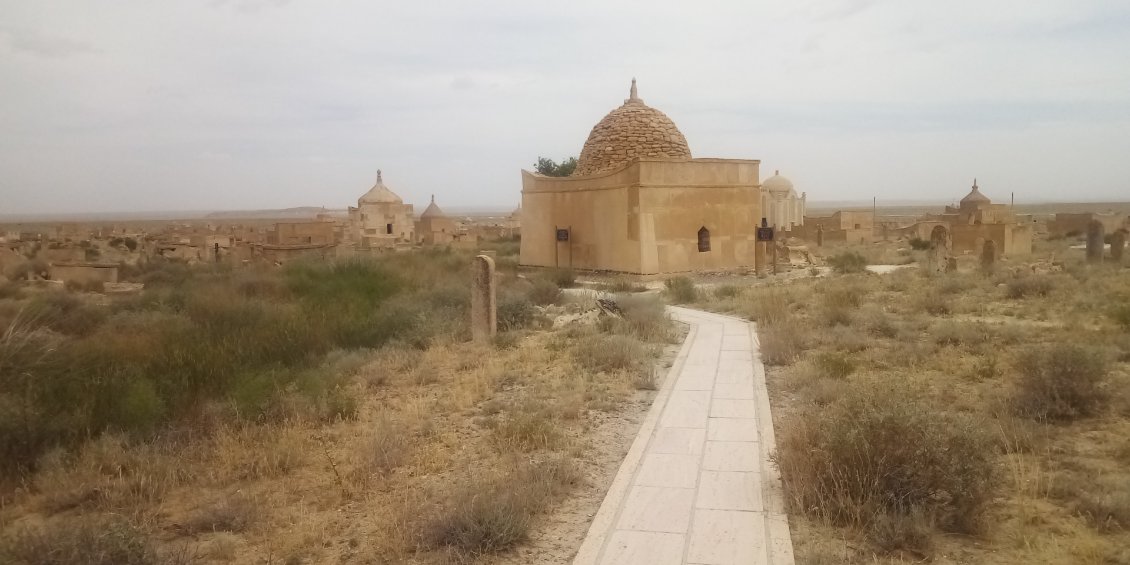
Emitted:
pixel 1117 245
pixel 484 311
pixel 820 235
pixel 951 264
pixel 988 256
pixel 1095 242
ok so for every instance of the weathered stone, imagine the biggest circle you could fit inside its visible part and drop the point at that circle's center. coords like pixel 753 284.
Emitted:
pixel 484 311
pixel 1095 243
pixel 1117 245
pixel 951 264
pixel 819 236
pixel 631 126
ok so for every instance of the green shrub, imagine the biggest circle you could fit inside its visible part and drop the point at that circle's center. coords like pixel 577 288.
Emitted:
pixel 543 292
pixel 681 290
pixel 66 313
pixel 848 262
pixel 1060 382
pixel 919 244
pixel 515 312
pixel 1120 313
pixel 880 452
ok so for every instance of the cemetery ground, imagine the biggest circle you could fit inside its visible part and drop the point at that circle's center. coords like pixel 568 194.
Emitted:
pixel 318 412
pixel 964 417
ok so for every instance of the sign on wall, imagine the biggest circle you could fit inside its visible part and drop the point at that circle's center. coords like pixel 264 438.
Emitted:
pixel 562 234
pixel 764 234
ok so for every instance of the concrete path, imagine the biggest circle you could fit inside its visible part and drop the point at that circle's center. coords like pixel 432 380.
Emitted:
pixel 697 487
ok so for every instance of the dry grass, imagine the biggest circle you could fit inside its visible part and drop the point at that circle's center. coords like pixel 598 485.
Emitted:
pixel 322 454
pixel 495 511
pixel 893 392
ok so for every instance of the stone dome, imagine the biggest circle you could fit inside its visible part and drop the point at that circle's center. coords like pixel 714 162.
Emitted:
pixel 433 211
pixel 975 196
pixel 628 132
pixel 777 184
pixel 379 194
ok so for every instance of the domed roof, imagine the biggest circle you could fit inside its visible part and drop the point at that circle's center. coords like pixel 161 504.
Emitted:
pixel 777 183
pixel 433 211
pixel 975 196
pixel 379 194
pixel 630 131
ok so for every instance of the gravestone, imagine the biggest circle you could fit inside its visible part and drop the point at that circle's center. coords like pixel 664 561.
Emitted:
pixel 484 308
pixel 988 256
pixel 939 248
pixel 1117 245
pixel 1095 243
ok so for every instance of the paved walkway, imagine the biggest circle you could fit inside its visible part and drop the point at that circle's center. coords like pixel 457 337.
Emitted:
pixel 697 487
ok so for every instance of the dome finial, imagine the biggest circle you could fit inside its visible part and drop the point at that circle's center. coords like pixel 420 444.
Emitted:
pixel 433 199
pixel 777 172
pixel 633 94
pixel 378 176
pixel 974 183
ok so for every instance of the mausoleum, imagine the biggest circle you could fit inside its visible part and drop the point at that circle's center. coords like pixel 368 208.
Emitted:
pixel 639 203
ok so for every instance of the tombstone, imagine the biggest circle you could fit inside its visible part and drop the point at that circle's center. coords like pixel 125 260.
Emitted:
pixel 820 235
pixel 951 264
pixel 1117 244
pixel 988 256
pixel 1095 241
pixel 484 311
pixel 939 247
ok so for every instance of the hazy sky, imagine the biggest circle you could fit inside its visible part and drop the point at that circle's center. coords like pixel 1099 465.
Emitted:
pixel 134 105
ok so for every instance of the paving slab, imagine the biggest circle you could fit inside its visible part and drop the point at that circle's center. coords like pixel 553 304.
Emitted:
pixel 697 487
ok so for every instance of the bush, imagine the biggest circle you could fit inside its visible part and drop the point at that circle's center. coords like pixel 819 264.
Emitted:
pixel 880 453
pixel 848 262
pixel 767 306
pixel 644 317
pixel 104 541
pixel 919 244
pixel 834 365
pixel 781 344
pixel 606 353
pixel 623 284
pixel 727 291
pixel 1120 313
pixel 515 312
pixel 493 513
pixel 681 290
pixel 85 285
pixel 563 278
pixel 1028 286
pixel 543 292
pixel 1062 382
